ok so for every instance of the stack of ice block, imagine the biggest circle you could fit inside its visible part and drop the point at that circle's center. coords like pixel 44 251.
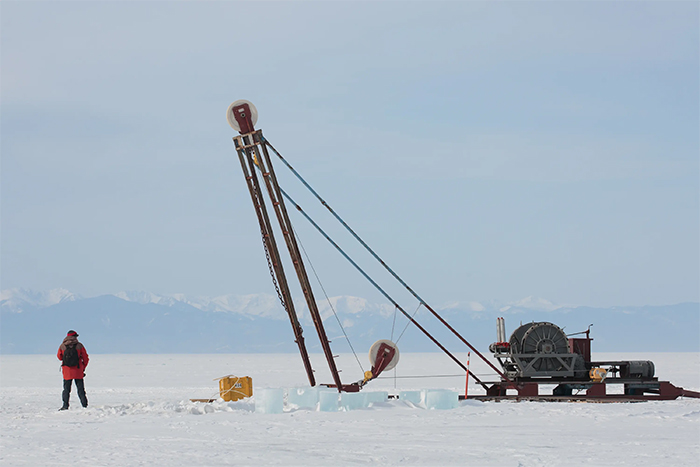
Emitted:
pixel 375 397
pixel 269 400
pixel 353 400
pixel 302 398
pixel 328 401
pixel 441 399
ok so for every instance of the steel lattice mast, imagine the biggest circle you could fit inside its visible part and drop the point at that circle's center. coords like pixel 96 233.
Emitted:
pixel 252 153
pixel 252 149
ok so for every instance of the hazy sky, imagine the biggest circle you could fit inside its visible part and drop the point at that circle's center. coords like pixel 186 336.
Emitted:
pixel 487 150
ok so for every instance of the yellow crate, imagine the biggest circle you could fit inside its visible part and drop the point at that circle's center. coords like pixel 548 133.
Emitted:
pixel 233 388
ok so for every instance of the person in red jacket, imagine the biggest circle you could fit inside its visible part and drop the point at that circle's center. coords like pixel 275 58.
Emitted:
pixel 75 359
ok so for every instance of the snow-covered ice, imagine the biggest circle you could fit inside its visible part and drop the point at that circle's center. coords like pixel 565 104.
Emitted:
pixel 140 414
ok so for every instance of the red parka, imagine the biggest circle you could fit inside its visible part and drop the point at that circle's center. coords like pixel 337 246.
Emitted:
pixel 74 372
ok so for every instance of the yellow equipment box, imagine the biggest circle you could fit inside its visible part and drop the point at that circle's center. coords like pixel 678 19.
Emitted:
pixel 233 388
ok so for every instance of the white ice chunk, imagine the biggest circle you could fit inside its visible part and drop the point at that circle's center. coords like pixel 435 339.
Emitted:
pixel 353 400
pixel 269 400
pixel 302 398
pixel 414 397
pixel 375 397
pixel 328 401
pixel 441 399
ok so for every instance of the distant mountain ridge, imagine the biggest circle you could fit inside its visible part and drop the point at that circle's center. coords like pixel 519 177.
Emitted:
pixel 143 322
pixel 18 300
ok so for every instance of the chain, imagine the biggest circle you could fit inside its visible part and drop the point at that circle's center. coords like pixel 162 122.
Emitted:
pixel 272 273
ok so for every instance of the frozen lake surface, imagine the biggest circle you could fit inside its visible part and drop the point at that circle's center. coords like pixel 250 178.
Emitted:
pixel 140 414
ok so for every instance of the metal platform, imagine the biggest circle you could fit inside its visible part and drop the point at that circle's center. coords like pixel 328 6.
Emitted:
pixel 634 390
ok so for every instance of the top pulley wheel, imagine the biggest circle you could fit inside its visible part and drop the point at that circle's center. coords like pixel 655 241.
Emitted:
pixel 231 117
pixel 383 345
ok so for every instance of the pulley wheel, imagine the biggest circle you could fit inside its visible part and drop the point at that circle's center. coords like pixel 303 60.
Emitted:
pixel 374 351
pixel 232 120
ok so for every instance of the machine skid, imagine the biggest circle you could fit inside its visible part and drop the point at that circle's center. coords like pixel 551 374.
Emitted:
pixel 541 354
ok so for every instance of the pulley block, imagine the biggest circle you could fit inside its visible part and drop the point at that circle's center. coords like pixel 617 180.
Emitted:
pixel 383 355
pixel 242 116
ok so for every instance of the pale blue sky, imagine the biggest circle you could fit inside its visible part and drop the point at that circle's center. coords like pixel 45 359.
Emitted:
pixel 488 150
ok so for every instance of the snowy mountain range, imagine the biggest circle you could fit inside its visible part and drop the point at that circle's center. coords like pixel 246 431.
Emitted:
pixel 144 322
pixel 265 305
pixel 18 300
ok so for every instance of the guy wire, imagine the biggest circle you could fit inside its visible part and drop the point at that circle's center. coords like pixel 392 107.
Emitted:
pixel 313 269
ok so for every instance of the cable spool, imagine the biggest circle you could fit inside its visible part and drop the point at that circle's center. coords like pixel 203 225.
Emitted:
pixel 539 338
pixel 542 349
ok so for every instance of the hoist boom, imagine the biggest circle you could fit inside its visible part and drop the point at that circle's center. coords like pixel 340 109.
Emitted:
pixel 252 153
pixel 252 149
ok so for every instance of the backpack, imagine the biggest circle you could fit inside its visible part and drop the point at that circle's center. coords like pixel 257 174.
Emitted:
pixel 70 356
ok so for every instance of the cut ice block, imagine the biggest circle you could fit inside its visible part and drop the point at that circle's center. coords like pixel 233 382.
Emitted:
pixel 441 399
pixel 375 397
pixel 269 400
pixel 353 400
pixel 302 398
pixel 328 401
pixel 414 397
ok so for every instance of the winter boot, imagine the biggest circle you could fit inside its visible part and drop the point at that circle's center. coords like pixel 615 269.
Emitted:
pixel 80 385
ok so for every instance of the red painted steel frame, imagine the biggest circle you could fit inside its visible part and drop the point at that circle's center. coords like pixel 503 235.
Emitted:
pixel 385 354
pixel 248 167
pixel 597 392
pixel 243 115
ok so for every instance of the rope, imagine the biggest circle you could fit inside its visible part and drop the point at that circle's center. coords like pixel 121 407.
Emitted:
pixel 231 389
pixel 388 297
pixel 421 376
pixel 328 299
pixel 404 329
pixel 221 394
pixel 429 376
pixel 381 261
pixel 376 286
pixel 345 255
pixel 393 324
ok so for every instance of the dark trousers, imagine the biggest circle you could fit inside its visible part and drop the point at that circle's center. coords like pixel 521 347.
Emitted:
pixel 80 385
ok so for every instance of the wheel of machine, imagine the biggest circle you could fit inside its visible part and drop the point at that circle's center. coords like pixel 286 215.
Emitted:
pixel 232 121
pixel 544 338
pixel 517 337
pixel 374 350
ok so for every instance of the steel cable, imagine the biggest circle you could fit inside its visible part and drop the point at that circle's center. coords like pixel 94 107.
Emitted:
pixel 313 269
pixel 381 261
pixel 377 286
